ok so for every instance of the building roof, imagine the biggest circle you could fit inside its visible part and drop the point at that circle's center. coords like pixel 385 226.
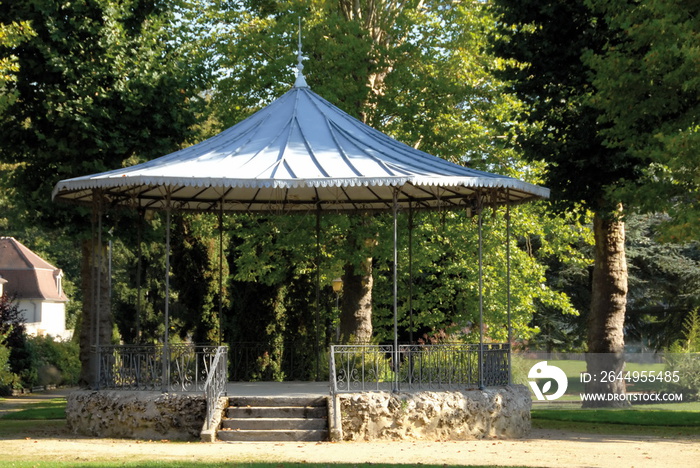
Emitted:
pixel 299 153
pixel 28 276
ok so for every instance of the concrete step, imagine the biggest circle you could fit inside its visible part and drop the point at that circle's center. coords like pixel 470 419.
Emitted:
pixel 314 401
pixel 275 419
pixel 298 412
pixel 272 436
pixel 271 424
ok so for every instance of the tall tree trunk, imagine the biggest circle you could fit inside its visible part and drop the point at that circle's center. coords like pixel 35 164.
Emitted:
pixel 607 316
pixel 356 308
pixel 92 268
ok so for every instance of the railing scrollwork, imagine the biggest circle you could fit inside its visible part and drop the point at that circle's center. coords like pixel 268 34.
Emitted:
pixel 361 368
pixel 141 367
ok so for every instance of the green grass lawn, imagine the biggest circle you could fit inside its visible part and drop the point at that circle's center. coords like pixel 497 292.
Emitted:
pixel 622 416
pixel 49 409
pixel 651 420
pixel 12 429
pixel 574 368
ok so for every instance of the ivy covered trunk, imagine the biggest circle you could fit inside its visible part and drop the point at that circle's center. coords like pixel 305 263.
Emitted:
pixel 608 304
pixel 93 270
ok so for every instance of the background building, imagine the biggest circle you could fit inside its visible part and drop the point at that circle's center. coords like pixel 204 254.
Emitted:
pixel 36 286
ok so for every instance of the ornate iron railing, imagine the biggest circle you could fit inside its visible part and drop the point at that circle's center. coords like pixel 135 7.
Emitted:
pixel 172 368
pixel 215 386
pixel 362 368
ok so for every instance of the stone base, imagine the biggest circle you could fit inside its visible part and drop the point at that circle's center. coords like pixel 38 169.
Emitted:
pixel 136 415
pixel 471 414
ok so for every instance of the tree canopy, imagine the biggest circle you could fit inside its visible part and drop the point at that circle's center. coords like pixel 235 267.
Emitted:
pixel 96 85
pixel 99 85
pixel 647 95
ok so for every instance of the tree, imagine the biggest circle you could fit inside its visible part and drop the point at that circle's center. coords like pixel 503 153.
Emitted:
pixel 11 35
pixel 443 289
pixel 545 65
pixel 101 84
pixel 13 342
pixel 664 279
pixel 646 91
pixel 195 259
pixel 415 70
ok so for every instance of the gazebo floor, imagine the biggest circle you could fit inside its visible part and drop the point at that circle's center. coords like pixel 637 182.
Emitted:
pixel 296 389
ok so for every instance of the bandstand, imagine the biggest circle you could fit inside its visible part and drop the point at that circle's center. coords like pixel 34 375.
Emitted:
pixel 302 154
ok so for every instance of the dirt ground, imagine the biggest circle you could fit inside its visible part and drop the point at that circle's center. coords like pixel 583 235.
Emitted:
pixel 544 448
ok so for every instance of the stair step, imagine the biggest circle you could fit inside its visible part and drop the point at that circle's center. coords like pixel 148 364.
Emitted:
pixel 275 424
pixel 275 419
pixel 314 401
pixel 236 412
pixel 273 436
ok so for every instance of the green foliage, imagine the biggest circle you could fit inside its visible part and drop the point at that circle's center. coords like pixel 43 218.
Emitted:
pixel 646 92
pixel 684 358
pixel 688 367
pixel 195 261
pixel 639 417
pixel 43 361
pixel 30 361
pixel 663 283
pixel 86 109
pixel 138 279
pixel 99 85
pixel 445 274
pixel 691 330
pixel 56 362
pixel 543 62
pixel 273 295
pixel 45 410
pixel 8 379
pixel 12 330
pixel 11 35
pixel 13 339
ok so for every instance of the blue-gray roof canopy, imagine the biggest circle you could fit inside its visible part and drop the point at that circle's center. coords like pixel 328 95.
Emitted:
pixel 299 153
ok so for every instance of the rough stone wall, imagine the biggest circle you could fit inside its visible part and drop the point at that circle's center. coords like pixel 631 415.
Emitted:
pixel 474 414
pixel 136 415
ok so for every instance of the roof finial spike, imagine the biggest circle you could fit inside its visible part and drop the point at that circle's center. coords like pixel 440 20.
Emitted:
pixel 301 81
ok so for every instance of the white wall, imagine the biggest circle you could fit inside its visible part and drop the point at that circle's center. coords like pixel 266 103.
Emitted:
pixel 45 318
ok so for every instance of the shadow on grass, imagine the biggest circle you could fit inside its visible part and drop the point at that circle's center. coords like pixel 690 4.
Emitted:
pixel 34 429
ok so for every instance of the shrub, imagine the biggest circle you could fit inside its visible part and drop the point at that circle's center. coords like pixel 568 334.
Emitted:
pixel 8 380
pixel 12 342
pixel 684 358
pixel 54 362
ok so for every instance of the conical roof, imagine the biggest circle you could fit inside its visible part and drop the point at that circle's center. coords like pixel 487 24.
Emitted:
pixel 299 153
